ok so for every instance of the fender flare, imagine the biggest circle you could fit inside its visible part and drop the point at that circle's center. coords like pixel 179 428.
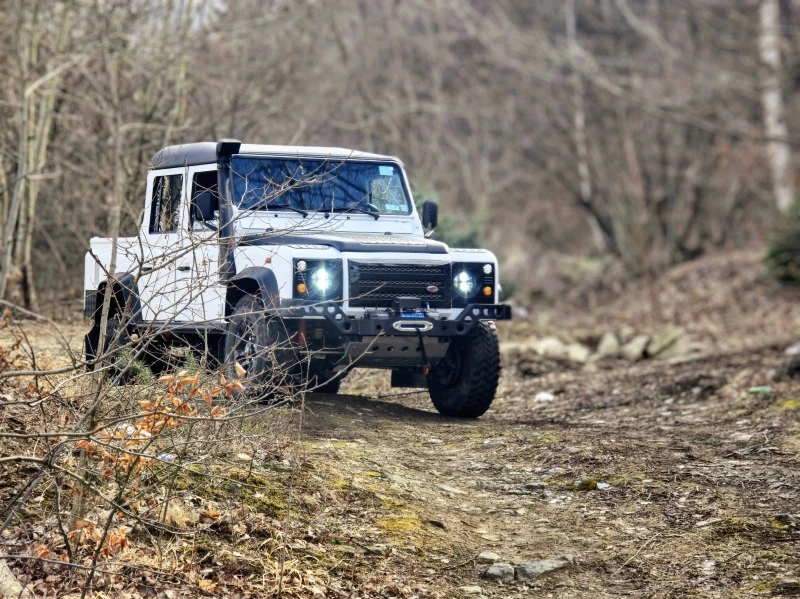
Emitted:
pixel 254 280
pixel 126 296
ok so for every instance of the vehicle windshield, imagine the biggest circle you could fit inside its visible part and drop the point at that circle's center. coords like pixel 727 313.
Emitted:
pixel 324 185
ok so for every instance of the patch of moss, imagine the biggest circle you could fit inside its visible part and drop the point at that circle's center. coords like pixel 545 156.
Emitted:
pixel 586 484
pixel 364 486
pixel 764 587
pixel 250 477
pixel 545 438
pixel 773 556
pixel 790 404
pixel 391 502
pixel 257 492
pixel 400 525
pixel 189 477
pixel 254 489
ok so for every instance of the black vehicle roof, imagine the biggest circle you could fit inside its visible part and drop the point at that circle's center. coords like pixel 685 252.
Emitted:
pixel 205 152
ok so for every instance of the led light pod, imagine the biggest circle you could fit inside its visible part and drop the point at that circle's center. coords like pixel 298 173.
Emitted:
pixel 465 284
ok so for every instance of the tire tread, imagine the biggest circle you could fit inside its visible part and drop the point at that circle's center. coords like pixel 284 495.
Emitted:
pixel 473 397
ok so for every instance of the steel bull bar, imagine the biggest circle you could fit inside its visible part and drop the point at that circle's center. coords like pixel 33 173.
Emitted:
pixel 418 322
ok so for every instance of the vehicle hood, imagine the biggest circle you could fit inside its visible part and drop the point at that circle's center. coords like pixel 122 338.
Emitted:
pixel 350 242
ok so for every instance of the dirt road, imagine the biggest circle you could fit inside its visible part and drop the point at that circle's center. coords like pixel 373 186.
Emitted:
pixel 650 480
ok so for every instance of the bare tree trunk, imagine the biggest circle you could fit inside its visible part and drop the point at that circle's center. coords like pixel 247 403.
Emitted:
pixel 23 56
pixel 36 122
pixel 780 156
pixel 579 124
pixel 42 127
pixel 6 201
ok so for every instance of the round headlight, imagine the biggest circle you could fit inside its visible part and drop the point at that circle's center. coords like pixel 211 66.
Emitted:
pixel 321 280
pixel 487 269
pixel 301 266
pixel 464 283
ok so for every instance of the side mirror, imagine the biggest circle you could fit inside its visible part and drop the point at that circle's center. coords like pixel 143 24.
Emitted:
pixel 430 214
pixel 204 206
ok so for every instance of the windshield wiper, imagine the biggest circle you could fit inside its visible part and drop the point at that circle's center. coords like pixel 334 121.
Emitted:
pixel 288 207
pixel 359 208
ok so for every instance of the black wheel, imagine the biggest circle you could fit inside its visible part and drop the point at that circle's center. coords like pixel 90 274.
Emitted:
pixel 117 337
pixel 258 351
pixel 155 355
pixel 321 380
pixel 464 382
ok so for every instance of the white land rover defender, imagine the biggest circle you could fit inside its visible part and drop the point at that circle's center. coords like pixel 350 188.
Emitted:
pixel 301 261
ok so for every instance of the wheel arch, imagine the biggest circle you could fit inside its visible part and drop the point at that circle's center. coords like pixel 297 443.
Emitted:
pixel 254 280
pixel 125 297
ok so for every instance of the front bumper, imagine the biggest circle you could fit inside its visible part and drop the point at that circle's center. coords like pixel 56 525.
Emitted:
pixel 427 324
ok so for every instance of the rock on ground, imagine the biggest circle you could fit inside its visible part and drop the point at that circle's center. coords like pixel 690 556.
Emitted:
pixel 501 571
pixel 575 352
pixel 551 347
pixel 608 347
pixel 531 569
pixel 634 350
pixel 789 586
pixel 680 348
pixel 662 340
pixel 488 557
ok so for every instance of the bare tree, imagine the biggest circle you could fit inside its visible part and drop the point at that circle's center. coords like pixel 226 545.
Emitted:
pixel 779 151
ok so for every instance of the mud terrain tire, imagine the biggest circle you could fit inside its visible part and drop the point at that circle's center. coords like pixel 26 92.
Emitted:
pixel 464 382
pixel 260 344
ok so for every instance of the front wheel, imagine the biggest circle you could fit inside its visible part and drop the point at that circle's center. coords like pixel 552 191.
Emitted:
pixel 258 351
pixel 463 383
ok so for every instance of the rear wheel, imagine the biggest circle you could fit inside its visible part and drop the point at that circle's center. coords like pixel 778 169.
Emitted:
pixel 112 356
pixel 463 383
pixel 155 354
pixel 258 351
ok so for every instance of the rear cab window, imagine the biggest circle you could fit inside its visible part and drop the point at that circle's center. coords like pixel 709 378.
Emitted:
pixel 165 204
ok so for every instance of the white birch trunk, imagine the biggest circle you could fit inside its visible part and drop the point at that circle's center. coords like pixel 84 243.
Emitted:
pixel 779 153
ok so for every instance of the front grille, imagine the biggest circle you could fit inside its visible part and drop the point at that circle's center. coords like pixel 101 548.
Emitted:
pixel 376 285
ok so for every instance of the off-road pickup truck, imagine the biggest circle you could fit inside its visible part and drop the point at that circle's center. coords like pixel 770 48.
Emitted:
pixel 294 265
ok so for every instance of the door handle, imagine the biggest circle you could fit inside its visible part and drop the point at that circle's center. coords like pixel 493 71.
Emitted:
pixel 184 268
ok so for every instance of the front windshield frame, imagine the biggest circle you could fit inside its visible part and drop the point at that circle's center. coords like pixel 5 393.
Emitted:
pixel 279 188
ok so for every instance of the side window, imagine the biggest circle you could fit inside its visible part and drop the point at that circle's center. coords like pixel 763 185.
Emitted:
pixel 205 199
pixel 165 206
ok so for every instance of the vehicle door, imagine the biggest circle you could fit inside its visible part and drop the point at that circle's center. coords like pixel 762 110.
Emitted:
pixel 199 296
pixel 160 239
